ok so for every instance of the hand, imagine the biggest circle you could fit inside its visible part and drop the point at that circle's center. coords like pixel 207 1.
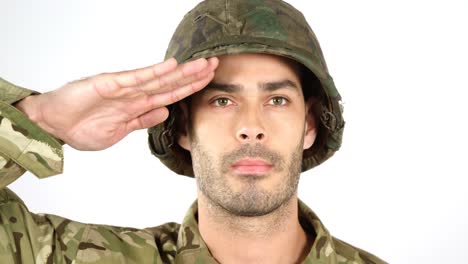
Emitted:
pixel 97 112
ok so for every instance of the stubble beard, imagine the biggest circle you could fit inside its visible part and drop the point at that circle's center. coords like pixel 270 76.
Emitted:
pixel 252 200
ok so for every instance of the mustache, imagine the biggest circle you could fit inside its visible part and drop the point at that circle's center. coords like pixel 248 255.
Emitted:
pixel 252 151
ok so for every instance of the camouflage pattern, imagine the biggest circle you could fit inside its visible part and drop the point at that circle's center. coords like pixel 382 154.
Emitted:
pixel 220 27
pixel 10 93
pixel 37 238
pixel 23 145
pixel 26 237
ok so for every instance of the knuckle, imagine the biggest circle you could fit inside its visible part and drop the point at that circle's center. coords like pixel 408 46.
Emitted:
pixel 193 87
pixel 162 82
pixel 155 71
pixel 177 83
pixel 175 97
pixel 138 81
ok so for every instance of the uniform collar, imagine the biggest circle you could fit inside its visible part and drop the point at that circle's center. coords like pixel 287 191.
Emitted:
pixel 192 249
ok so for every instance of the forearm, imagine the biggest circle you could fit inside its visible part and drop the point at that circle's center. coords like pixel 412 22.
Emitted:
pixel 26 237
pixel 23 144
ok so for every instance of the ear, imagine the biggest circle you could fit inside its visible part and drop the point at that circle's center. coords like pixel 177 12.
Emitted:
pixel 183 137
pixel 310 130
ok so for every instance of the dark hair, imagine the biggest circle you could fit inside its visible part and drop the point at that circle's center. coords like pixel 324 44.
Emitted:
pixel 312 88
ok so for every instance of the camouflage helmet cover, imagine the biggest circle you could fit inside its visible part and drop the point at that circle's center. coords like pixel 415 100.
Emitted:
pixel 221 27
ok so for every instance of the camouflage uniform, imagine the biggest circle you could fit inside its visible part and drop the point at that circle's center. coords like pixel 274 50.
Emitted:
pixel 213 28
pixel 37 238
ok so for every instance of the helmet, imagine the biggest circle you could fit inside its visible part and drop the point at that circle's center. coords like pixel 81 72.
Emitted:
pixel 221 27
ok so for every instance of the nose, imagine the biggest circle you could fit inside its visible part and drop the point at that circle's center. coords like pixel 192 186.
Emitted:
pixel 251 129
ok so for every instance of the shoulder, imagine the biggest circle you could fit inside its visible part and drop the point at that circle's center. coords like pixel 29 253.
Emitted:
pixel 165 237
pixel 166 233
pixel 48 237
pixel 349 253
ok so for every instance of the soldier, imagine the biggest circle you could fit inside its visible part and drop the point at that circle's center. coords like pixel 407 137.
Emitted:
pixel 251 107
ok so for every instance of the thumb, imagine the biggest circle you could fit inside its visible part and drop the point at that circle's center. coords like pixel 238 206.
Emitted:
pixel 148 119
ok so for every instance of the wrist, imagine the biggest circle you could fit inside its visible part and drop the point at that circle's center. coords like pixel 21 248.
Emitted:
pixel 31 107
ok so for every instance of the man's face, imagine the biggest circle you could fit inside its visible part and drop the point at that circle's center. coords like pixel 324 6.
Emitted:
pixel 248 130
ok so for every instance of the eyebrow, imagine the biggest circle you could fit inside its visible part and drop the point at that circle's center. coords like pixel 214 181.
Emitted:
pixel 273 86
pixel 222 87
pixel 268 87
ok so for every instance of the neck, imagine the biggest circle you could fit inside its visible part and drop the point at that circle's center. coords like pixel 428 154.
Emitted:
pixel 273 238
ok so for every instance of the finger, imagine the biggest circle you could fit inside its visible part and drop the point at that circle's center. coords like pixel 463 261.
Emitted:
pixel 178 94
pixel 140 76
pixel 153 87
pixel 148 119
pixel 182 71
pixel 214 61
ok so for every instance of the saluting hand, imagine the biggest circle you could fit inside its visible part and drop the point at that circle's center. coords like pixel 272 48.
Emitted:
pixel 97 112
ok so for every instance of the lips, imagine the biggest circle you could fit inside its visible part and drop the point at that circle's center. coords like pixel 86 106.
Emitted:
pixel 251 166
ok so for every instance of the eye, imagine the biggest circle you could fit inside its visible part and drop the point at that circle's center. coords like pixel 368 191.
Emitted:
pixel 278 101
pixel 222 102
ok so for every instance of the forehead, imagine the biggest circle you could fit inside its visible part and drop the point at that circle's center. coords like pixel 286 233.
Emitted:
pixel 252 72
pixel 254 65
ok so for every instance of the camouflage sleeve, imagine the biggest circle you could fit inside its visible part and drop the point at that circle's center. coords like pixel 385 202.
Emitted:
pixel 26 237
pixel 43 238
pixel 23 145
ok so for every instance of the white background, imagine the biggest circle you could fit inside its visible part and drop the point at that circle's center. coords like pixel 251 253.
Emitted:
pixel 397 188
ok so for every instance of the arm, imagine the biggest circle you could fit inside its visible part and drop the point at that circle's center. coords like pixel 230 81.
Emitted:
pixel 90 114
pixel 26 237
pixel 24 145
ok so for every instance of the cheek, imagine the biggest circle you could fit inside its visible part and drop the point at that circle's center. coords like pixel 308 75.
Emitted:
pixel 286 132
pixel 213 131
